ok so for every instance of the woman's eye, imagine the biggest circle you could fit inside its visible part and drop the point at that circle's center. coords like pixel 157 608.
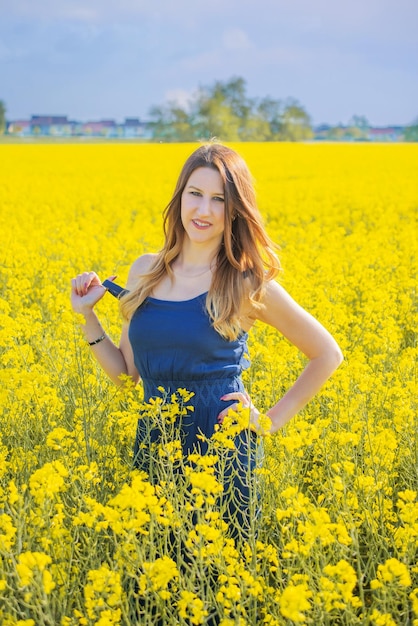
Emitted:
pixel 218 199
pixel 195 193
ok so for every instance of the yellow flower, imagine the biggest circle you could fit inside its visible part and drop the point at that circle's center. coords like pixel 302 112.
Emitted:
pixel 413 596
pixel 157 575
pixel 7 532
pixel 294 602
pixel 236 421
pixel 191 608
pixel 48 481
pixel 392 572
pixel 109 617
pixel 229 592
pixel 32 568
pixel 60 439
pixel 103 590
pixel 263 425
pixel 382 619
pixel 203 482
pixel 337 585
pixel 14 496
pixel 171 450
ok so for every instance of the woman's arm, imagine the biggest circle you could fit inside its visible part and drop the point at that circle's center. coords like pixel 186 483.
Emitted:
pixel 308 335
pixel 86 291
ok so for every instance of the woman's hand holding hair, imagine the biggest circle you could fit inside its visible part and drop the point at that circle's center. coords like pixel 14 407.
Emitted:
pixel 86 291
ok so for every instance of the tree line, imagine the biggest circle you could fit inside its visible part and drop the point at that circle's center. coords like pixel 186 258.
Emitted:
pixel 224 110
pixel 2 117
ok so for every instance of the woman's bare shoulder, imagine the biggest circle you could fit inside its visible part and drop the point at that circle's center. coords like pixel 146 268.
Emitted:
pixel 143 263
pixel 140 266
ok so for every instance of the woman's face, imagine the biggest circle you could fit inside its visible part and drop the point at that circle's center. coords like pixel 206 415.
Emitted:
pixel 203 207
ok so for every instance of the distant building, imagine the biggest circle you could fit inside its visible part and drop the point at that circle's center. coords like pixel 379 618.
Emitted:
pixel 20 128
pixel 61 126
pixel 325 132
pixel 387 133
pixel 322 131
pixel 133 127
pixel 103 128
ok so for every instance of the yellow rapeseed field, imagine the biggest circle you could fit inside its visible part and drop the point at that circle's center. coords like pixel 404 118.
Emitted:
pixel 86 541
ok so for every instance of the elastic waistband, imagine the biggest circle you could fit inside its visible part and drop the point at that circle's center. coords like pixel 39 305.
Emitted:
pixel 191 381
pixel 206 391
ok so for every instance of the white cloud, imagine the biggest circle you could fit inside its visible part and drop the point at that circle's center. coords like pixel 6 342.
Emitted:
pixel 181 97
pixel 201 63
pixel 236 39
pixel 80 10
pixel 109 10
pixel 230 53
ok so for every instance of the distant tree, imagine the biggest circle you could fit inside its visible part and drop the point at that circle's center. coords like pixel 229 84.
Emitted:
pixel 212 116
pixel 233 95
pixel 271 111
pixel 361 122
pixel 256 129
pixel 337 133
pixel 411 131
pixel 295 123
pixel 358 127
pixel 171 123
pixel 2 117
pixel 353 132
pixel 158 120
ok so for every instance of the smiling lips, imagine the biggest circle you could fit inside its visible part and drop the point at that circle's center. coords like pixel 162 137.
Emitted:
pixel 201 225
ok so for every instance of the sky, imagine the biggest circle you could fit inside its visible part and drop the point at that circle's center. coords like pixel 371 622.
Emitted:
pixel 112 59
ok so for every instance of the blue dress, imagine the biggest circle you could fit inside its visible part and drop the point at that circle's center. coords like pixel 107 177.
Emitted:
pixel 175 346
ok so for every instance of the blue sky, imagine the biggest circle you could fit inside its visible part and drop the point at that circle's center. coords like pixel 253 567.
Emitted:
pixel 95 59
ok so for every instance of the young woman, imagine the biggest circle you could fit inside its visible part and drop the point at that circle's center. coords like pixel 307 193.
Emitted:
pixel 189 307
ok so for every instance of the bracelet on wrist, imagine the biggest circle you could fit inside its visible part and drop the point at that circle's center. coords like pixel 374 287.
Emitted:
pixel 93 343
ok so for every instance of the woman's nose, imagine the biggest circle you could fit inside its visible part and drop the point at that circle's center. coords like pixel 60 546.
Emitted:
pixel 204 206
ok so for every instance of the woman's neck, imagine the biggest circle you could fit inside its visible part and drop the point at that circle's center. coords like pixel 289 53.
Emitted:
pixel 194 262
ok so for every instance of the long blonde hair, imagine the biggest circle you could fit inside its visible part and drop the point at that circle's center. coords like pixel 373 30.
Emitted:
pixel 246 259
